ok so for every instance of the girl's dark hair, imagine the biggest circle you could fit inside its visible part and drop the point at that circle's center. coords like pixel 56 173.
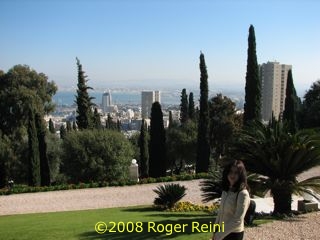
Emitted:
pixel 242 181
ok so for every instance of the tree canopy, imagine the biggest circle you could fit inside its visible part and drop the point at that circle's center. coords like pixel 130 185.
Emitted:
pixel 223 119
pixel 182 146
pixel 21 88
pixel 25 97
pixel 311 107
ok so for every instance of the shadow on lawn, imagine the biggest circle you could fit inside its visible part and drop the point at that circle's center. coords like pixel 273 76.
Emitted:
pixel 140 209
pixel 192 226
pixel 158 213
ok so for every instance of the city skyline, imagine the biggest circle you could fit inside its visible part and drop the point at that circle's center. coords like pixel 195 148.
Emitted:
pixel 132 43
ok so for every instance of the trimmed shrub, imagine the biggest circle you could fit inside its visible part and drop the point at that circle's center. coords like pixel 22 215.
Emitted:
pixel 93 155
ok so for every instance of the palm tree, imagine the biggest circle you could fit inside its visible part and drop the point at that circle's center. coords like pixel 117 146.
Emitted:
pixel 212 188
pixel 278 157
pixel 169 194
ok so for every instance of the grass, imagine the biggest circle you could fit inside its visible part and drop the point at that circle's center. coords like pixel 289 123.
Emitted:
pixel 81 225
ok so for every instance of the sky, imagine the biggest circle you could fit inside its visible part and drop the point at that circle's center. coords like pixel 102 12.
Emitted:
pixel 127 43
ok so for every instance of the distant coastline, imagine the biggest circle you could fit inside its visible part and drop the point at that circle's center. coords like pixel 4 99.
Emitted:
pixel 169 97
pixel 67 98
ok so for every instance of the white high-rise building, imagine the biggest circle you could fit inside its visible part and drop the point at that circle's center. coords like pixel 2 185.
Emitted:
pixel 106 102
pixel 273 89
pixel 147 99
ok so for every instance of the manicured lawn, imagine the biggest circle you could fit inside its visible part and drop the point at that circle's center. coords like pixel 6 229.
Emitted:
pixel 81 225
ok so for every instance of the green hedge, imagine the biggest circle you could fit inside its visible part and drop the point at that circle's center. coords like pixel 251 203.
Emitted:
pixel 28 189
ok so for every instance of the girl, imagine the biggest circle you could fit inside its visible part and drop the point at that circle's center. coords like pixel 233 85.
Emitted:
pixel 235 201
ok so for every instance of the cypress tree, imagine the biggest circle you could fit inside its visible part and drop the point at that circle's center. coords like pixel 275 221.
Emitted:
pixel 3 167
pixel 252 105
pixel 109 122
pixel 191 109
pixel 83 101
pixel 44 163
pixel 5 152
pixel 157 149
pixel 203 147
pixel 170 120
pixel 144 152
pixel 51 126
pixel 69 128
pixel 63 132
pixel 34 156
pixel 96 119
pixel 290 109
pixel 118 125
pixel 74 126
pixel 184 106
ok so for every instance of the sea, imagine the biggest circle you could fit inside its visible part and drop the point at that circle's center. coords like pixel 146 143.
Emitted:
pixel 119 96
pixel 67 98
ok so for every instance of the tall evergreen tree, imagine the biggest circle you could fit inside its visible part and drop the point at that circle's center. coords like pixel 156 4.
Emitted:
pixel 34 156
pixel 96 119
pixel 69 128
pixel 118 125
pixel 191 109
pixel 144 151
pixel 291 102
pixel 51 126
pixel 170 119
pixel 63 132
pixel 109 122
pixel 5 157
pixel 83 100
pixel 203 147
pixel 252 105
pixel 44 163
pixel 184 106
pixel 157 149
pixel 74 126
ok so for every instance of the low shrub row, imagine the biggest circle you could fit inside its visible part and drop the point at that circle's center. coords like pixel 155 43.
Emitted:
pixel 28 189
pixel 182 177
pixel 190 207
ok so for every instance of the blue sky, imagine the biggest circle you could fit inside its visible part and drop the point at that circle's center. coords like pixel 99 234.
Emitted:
pixel 127 43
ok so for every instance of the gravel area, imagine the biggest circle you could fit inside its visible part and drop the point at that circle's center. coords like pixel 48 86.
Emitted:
pixel 302 227
pixel 92 198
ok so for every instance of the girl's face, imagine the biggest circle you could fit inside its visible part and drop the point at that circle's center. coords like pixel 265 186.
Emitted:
pixel 233 175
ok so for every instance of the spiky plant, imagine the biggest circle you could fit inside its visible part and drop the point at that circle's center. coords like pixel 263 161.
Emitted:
pixel 169 194
pixel 212 188
pixel 279 157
